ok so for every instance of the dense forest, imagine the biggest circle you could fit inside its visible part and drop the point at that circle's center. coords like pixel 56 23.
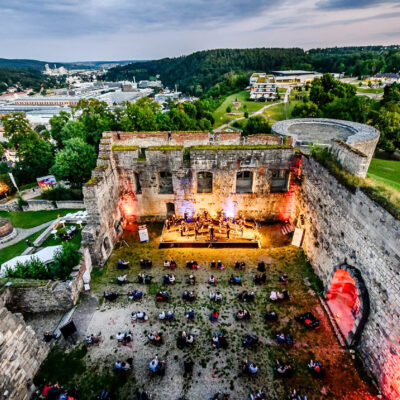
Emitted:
pixel 24 78
pixel 198 72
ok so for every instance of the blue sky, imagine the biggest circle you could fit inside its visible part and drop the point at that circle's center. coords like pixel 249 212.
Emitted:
pixel 72 30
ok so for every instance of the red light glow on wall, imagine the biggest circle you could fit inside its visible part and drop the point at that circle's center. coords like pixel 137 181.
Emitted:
pixel 128 209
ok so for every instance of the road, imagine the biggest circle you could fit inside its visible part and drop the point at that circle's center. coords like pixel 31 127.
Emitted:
pixel 255 113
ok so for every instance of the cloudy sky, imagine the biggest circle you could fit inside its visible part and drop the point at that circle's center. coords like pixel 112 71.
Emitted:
pixel 72 30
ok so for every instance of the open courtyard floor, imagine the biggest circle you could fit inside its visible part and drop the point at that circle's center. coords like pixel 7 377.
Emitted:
pixel 91 368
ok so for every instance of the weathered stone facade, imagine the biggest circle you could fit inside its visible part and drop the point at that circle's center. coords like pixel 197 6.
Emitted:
pixel 21 354
pixel 254 179
pixel 348 230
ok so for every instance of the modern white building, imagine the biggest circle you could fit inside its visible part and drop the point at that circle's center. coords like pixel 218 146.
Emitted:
pixel 262 86
pixel 295 76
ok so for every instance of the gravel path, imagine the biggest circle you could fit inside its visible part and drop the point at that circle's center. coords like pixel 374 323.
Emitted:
pixel 24 233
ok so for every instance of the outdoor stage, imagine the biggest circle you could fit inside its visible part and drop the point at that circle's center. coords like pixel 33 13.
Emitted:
pixel 250 238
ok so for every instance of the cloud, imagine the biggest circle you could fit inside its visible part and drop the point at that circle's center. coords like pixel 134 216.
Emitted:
pixel 352 4
pixel 76 17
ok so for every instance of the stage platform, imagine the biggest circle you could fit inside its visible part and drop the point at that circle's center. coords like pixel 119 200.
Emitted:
pixel 172 238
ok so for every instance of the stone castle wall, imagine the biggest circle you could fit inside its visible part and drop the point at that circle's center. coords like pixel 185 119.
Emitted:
pixel 21 354
pixel 346 228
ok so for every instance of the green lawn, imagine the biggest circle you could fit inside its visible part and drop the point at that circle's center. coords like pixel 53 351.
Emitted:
pixel 277 112
pixel 50 241
pixel 243 96
pixel 16 249
pixel 385 171
pixel 370 90
pixel 29 219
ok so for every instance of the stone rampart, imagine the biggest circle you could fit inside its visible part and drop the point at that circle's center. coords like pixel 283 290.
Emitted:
pixel 350 230
pixel 21 354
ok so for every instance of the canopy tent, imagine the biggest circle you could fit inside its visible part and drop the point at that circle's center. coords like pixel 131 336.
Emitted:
pixel 45 255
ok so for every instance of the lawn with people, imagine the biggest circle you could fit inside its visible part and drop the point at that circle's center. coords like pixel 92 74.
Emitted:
pixel 211 323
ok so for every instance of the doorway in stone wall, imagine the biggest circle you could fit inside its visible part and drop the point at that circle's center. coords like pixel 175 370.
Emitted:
pixel 348 301
pixel 170 209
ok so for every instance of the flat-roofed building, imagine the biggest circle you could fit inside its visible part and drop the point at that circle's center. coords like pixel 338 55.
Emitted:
pixel 262 86
pixel 295 76
pixel 48 101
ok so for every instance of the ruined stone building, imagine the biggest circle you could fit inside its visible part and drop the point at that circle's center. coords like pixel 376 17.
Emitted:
pixel 352 243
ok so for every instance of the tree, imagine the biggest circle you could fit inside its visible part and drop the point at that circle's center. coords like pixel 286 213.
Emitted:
pixel 75 162
pixel 57 123
pixel 256 125
pixel 229 109
pixel 306 110
pixel 388 123
pixel 64 260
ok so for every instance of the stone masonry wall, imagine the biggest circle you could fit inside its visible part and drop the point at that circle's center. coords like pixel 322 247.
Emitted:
pixel 352 160
pixel 346 228
pixel 21 354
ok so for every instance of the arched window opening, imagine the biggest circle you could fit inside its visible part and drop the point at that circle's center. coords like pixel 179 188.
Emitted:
pixel 279 181
pixel 204 182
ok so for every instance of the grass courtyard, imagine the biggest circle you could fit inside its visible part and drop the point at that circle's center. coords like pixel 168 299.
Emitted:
pixel 385 171
pixel 91 370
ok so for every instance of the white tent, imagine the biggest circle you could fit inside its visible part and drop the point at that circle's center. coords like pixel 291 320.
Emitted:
pixel 45 255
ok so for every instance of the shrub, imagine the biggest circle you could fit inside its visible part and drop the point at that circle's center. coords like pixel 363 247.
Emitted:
pixel 62 193
pixel 32 269
pixel 65 260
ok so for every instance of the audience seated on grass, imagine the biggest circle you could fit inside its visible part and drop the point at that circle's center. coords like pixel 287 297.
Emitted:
pixel 260 395
pixel 220 396
pixel 169 279
pixel 240 265
pixel 260 279
pixel 212 280
pixel 188 367
pixel 56 392
pixel 249 368
pixel 111 295
pixel 246 296
pixel 190 315
pixel 277 296
pixel 162 296
pixel 192 264
pixel 242 315
pixel 283 369
pixel 296 396
pixel 219 340
pixel 220 265
pixel 283 338
pixel 192 280
pixel 235 280
pixel 121 279
pixel 185 339
pixel 316 369
pixel 308 320
pixel 145 263
pixel 189 296
pixel 121 264
pixel 135 294
pixel 93 339
pixel 217 297
pixel 166 316
pixel 261 266
pixel 157 367
pixel 124 337
pixel 155 337
pixel 271 316
pixel 214 316
pixel 284 278
pixel 139 316
pixel 250 340
pixel 142 278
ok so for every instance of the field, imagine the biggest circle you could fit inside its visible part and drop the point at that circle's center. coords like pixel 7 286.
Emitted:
pixel 385 171
pixel 92 369
pixel 29 219
pixel 220 114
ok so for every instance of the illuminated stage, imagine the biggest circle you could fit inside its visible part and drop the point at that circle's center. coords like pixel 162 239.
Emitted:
pixel 250 238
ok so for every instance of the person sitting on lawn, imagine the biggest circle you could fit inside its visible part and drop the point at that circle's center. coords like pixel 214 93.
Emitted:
pixel 283 369
pixel 190 315
pixel 110 295
pixel 249 367
pixel 155 337
pixel 162 296
pixel 214 316
pixel 122 264
pixel 261 266
pixel 172 264
pixel 188 295
pixel 220 265
pixel 195 265
pixel 212 296
pixel 215 341
pixel 270 316
pixel 142 316
pixel 242 315
pixel 213 264
pixel 192 280
pixel 259 279
pixel 120 336
pixel 250 340
pixel 121 279
pixel 156 366
pixel 218 297
pixel 135 294
pixel 212 280
pixel 315 367
pixel 167 264
pixel 284 278
pixel 147 279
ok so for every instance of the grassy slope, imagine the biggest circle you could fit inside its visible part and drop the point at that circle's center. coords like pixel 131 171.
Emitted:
pixel 243 96
pixel 29 219
pixel 16 249
pixel 385 171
